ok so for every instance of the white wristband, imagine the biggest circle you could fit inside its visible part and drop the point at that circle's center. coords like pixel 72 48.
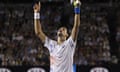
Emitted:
pixel 36 15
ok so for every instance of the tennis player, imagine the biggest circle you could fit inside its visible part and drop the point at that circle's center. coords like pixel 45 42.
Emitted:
pixel 62 50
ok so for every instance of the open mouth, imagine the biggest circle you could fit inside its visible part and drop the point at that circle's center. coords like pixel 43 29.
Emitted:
pixel 60 34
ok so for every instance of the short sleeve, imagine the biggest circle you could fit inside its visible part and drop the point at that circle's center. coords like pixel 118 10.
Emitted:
pixel 49 43
pixel 71 42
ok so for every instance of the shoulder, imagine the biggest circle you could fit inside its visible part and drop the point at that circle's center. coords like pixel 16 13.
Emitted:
pixel 48 40
pixel 71 41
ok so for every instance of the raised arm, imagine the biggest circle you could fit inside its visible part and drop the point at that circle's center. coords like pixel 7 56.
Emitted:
pixel 37 24
pixel 75 29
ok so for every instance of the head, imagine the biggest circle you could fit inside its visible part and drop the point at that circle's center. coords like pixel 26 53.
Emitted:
pixel 62 33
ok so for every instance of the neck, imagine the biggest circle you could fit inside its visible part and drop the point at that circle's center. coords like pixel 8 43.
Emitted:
pixel 60 41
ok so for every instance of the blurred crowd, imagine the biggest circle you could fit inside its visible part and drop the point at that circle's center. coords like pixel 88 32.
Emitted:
pixel 20 46
pixel 94 44
pixel 118 31
pixel 18 42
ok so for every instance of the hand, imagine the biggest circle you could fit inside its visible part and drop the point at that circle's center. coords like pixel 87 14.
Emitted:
pixel 37 7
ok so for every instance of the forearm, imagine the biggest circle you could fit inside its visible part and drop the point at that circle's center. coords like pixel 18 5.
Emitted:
pixel 77 20
pixel 38 29
pixel 37 26
pixel 75 29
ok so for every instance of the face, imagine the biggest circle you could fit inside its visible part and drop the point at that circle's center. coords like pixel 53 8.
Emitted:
pixel 62 32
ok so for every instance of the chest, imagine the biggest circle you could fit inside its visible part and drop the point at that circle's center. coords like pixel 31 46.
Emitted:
pixel 60 48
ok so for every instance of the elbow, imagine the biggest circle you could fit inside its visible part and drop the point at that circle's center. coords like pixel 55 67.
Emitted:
pixel 77 25
pixel 37 33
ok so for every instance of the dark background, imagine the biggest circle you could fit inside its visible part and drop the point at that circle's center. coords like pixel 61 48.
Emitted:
pixel 83 1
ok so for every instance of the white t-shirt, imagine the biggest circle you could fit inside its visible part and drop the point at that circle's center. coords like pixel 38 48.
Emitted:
pixel 61 56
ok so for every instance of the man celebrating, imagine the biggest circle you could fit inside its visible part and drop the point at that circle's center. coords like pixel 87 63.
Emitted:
pixel 62 50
